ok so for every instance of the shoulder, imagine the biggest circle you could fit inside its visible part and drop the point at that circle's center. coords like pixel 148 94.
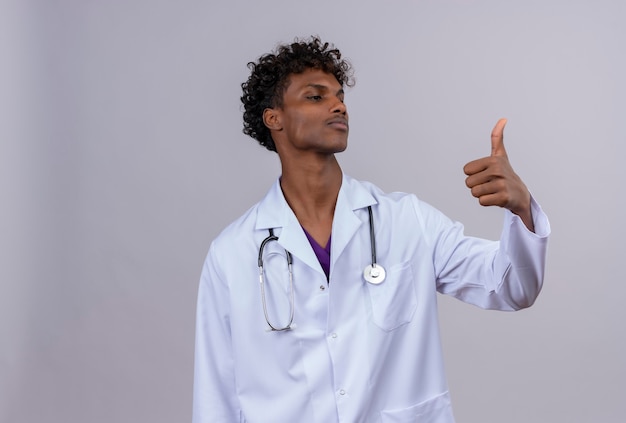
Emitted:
pixel 244 228
pixel 238 229
pixel 397 205
pixel 380 197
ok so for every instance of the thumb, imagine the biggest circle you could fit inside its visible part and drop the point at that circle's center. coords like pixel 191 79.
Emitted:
pixel 497 139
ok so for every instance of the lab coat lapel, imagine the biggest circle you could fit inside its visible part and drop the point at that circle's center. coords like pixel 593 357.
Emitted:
pixel 293 239
pixel 274 212
pixel 352 197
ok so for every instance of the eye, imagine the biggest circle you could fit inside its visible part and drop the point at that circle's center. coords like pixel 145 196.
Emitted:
pixel 314 97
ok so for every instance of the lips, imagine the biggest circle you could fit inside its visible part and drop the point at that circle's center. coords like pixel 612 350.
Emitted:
pixel 339 123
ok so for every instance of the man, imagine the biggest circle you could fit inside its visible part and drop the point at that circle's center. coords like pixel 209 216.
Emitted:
pixel 319 304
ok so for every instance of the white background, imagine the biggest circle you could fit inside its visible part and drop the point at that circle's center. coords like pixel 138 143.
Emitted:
pixel 122 157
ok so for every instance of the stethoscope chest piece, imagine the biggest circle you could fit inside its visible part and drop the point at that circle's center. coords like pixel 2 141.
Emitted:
pixel 374 274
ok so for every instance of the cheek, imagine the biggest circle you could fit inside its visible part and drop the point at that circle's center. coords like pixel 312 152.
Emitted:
pixel 301 124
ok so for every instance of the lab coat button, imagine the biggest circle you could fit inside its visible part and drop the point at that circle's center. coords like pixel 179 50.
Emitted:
pixel 334 335
pixel 342 392
pixel 322 287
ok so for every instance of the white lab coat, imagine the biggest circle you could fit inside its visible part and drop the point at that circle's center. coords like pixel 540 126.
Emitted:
pixel 358 352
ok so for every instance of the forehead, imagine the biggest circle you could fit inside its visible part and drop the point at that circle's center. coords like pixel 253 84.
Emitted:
pixel 313 78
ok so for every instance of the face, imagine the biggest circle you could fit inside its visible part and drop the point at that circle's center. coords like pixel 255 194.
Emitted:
pixel 313 116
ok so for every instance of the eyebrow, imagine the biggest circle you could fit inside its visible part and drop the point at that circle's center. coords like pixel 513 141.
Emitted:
pixel 324 88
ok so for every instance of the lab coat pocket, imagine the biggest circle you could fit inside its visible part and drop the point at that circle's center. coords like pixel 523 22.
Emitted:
pixel 394 301
pixel 434 410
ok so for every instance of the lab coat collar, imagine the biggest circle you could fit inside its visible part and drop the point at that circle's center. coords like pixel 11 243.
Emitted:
pixel 274 212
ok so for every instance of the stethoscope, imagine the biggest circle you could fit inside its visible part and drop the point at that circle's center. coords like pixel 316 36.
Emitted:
pixel 373 273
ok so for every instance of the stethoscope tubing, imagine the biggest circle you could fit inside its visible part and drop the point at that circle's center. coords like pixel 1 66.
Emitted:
pixel 372 236
pixel 371 273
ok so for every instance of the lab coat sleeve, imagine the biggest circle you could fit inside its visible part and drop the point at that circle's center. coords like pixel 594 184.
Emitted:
pixel 214 392
pixel 504 275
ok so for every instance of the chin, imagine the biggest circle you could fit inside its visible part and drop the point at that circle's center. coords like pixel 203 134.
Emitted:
pixel 341 146
pixel 338 148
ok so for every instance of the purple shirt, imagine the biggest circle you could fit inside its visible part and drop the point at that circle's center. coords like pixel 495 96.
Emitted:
pixel 323 254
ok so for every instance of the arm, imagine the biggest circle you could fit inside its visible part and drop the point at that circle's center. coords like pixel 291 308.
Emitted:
pixel 507 275
pixel 214 392
pixel 524 255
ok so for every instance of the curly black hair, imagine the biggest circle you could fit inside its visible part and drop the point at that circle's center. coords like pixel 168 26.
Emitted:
pixel 269 77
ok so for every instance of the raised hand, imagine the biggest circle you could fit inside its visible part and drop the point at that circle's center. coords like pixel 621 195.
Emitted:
pixel 493 181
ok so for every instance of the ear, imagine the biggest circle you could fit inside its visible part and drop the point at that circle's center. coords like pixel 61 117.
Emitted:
pixel 271 119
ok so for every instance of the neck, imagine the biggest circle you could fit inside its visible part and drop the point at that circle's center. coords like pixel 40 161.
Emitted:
pixel 311 191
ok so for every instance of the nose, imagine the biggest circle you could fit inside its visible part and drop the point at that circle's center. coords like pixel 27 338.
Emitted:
pixel 340 107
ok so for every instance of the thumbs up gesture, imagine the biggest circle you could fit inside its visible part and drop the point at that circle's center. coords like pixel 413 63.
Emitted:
pixel 493 181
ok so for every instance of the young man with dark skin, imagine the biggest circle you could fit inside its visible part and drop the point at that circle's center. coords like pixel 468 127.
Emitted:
pixel 312 126
pixel 321 340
